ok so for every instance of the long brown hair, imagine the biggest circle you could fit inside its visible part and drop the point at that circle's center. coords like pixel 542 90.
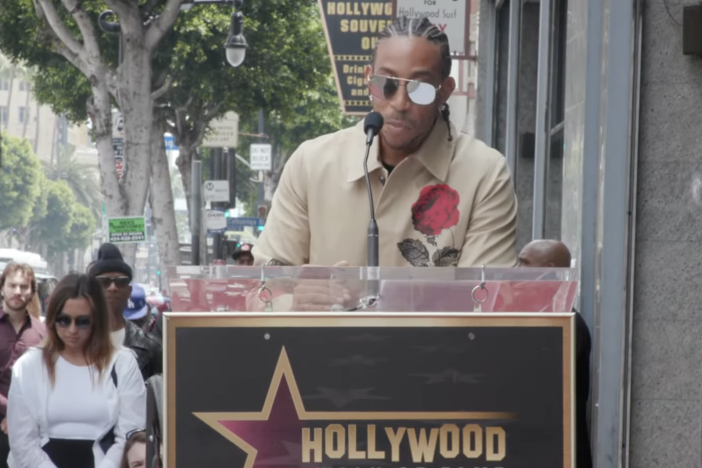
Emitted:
pixel 99 349
pixel 34 306
pixel 137 438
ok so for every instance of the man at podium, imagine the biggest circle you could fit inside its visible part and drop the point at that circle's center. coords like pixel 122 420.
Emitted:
pixel 441 198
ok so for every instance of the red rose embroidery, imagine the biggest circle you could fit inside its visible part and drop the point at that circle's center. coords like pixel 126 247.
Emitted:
pixel 436 209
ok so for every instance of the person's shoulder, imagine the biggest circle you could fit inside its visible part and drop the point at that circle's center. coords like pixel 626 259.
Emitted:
pixel 29 360
pixel 124 358
pixel 38 325
pixel 474 155
pixel 331 145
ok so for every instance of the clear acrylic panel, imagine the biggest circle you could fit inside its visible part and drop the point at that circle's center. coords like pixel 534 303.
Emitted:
pixel 241 289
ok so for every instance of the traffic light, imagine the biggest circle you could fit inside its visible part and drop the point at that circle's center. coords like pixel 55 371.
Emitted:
pixel 227 214
pixel 158 272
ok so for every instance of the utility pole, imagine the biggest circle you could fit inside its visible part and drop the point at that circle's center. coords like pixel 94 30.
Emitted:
pixel 261 198
pixel 196 211
pixel 217 170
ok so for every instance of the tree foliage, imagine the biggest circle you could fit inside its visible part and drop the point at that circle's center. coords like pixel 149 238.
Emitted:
pixel 80 177
pixel 65 224
pixel 19 182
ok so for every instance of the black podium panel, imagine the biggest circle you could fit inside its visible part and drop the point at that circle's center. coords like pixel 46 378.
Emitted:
pixel 459 390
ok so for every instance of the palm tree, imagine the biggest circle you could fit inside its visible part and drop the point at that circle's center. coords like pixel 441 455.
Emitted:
pixel 80 177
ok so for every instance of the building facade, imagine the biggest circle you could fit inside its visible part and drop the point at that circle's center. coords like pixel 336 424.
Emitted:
pixel 22 116
pixel 595 107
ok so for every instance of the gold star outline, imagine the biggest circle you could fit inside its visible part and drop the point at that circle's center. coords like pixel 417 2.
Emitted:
pixel 284 369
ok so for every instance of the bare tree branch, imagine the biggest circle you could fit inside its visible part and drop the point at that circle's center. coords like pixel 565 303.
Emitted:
pixel 163 89
pixel 45 9
pixel 201 125
pixel 87 29
pixel 128 14
pixel 162 24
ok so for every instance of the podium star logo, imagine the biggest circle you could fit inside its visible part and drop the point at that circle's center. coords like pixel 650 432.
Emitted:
pixel 271 431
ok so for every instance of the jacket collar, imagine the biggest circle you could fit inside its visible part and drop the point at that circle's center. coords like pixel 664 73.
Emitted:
pixel 133 336
pixel 435 154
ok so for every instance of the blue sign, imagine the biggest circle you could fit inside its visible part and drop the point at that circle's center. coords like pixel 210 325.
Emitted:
pixel 169 141
pixel 238 224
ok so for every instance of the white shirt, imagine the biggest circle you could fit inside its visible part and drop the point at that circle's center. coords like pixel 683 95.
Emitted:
pixel 28 401
pixel 78 407
pixel 118 336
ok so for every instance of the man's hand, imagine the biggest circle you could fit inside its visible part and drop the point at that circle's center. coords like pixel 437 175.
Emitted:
pixel 320 295
pixel 3 425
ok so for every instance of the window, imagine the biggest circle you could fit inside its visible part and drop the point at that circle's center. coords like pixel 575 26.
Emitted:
pixel 3 115
pixel 24 114
pixel 4 84
pixel 24 86
pixel 554 170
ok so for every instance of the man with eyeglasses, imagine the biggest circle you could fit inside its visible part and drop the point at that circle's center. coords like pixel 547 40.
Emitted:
pixel 115 276
pixel 442 198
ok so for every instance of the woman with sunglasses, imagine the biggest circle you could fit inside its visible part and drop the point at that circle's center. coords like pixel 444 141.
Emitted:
pixel 73 400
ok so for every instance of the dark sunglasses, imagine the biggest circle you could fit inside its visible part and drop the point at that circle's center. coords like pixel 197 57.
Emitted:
pixel 385 87
pixel 119 281
pixel 83 322
pixel 131 434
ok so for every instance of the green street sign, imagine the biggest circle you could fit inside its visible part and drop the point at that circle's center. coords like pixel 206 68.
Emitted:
pixel 127 230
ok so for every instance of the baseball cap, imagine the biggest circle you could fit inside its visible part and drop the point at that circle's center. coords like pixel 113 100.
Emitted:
pixel 137 307
pixel 242 249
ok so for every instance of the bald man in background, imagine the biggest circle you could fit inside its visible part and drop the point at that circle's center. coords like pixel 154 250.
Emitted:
pixel 554 254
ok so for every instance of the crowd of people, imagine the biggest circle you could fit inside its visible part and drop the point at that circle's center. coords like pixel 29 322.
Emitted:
pixel 72 387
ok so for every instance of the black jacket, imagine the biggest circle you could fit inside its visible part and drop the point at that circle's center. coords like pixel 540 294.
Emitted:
pixel 147 348
pixel 583 346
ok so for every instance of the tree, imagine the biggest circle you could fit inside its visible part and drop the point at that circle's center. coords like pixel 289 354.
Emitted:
pixel 79 177
pixel 65 225
pixel 286 69
pixel 69 28
pixel 20 178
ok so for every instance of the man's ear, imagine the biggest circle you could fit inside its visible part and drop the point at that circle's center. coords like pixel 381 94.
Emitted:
pixel 447 88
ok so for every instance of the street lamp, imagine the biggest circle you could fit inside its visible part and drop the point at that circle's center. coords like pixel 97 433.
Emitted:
pixel 235 46
pixel 236 42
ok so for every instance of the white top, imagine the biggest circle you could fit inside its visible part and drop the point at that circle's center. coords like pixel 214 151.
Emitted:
pixel 28 409
pixel 77 406
pixel 118 336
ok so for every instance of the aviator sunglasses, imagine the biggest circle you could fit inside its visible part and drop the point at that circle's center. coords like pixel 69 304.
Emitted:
pixel 385 87
pixel 82 323
pixel 119 281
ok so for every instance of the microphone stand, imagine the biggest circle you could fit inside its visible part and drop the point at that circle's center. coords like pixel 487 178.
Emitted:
pixel 373 124
pixel 373 279
pixel 370 300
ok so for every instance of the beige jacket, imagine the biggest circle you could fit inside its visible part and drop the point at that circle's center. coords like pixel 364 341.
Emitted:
pixel 451 203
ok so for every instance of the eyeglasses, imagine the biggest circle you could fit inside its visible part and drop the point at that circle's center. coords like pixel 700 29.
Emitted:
pixel 131 434
pixel 83 322
pixel 385 87
pixel 119 281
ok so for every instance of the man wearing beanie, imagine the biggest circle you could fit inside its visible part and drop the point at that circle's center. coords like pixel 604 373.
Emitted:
pixel 115 276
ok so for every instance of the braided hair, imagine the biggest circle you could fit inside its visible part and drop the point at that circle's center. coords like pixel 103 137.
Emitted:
pixel 421 27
